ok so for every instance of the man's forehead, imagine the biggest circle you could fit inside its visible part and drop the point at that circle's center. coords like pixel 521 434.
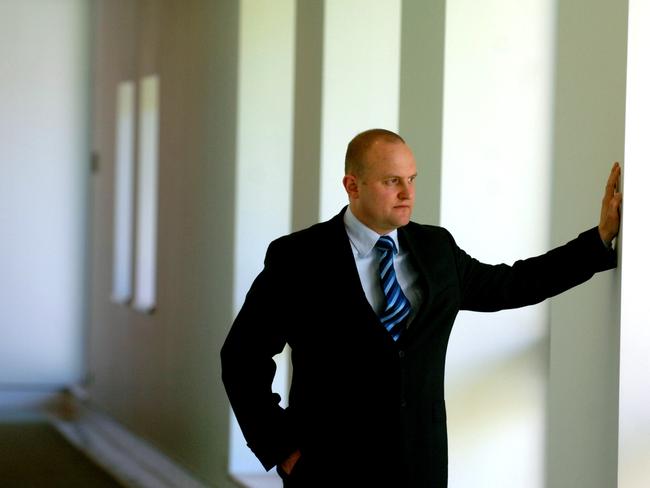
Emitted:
pixel 392 169
pixel 389 155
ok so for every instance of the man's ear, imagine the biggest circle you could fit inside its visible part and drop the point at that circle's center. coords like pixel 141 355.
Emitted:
pixel 351 186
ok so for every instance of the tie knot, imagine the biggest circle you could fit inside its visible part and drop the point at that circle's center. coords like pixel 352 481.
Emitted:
pixel 385 243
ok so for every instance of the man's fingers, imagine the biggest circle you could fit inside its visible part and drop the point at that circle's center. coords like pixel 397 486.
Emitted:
pixel 612 181
pixel 616 201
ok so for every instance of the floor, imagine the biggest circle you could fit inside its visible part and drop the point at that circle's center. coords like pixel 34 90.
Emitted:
pixel 270 480
pixel 34 455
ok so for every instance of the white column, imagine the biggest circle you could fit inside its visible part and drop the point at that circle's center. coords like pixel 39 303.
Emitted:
pixel 589 111
pixel 495 201
pixel 360 84
pixel 264 159
pixel 634 389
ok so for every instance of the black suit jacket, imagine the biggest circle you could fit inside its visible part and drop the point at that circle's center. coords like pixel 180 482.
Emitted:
pixel 361 403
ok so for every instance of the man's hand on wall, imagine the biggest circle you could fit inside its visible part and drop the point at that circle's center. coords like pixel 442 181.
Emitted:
pixel 610 212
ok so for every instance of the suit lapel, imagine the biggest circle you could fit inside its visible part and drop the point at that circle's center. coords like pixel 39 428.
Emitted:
pixel 344 268
pixel 424 256
pixel 343 262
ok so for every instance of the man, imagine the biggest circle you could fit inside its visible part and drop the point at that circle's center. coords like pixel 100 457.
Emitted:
pixel 367 301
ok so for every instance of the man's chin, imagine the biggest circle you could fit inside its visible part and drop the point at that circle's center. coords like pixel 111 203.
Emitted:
pixel 402 220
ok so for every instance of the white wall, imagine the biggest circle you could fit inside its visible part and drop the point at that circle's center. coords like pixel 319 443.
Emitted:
pixel 44 83
pixel 495 200
pixel 634 389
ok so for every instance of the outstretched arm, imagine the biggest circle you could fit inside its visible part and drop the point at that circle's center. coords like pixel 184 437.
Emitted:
pixel 610 212
pixel 490 288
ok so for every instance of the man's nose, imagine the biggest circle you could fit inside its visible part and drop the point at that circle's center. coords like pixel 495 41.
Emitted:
pixel 406 191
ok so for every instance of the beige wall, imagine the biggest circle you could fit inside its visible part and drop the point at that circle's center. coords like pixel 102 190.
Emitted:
pixel 159 374
pixel 421 97
pixel 308 113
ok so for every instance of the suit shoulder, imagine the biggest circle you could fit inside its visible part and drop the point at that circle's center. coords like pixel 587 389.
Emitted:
pixel 426 231
pixel 306 238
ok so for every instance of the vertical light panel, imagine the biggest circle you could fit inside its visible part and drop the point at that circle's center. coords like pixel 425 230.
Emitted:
pixel 495 199
pixel 147 195
pixel 634 386
pixel 360 83
pixel 44 86
pixel 123 217
pixel 264 163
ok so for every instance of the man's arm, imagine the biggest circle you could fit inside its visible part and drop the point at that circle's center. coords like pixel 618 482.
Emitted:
pixel 257 334
pixel 529 281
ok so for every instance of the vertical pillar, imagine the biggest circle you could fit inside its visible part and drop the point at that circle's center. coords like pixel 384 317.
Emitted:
pixel 494 199
pixel 307 113
pixel 584 338
pixel 264 158
pixel 634 389
pixel 421 90
pixel 360 84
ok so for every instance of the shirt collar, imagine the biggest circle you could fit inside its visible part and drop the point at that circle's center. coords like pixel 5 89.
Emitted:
pixel 362 237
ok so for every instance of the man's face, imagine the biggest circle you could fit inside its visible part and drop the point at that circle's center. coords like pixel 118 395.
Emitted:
pixel 382 196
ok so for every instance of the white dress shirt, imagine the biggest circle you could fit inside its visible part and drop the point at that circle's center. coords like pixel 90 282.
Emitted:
pixel 362 241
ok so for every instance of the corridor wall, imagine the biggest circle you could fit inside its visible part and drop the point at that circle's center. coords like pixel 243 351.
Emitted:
pixel 44 115
pixel 244 117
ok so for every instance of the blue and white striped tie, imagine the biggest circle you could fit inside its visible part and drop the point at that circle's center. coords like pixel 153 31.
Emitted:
pixel 397 307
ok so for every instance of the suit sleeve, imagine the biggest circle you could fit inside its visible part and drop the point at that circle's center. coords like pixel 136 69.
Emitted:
pixel 490 288
pixel 257 334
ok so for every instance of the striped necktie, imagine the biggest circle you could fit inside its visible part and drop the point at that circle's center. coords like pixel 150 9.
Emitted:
pixel 397 307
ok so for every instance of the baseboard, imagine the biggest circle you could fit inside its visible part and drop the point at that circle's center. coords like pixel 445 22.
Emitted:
pixel 29 398
pixel 132 461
